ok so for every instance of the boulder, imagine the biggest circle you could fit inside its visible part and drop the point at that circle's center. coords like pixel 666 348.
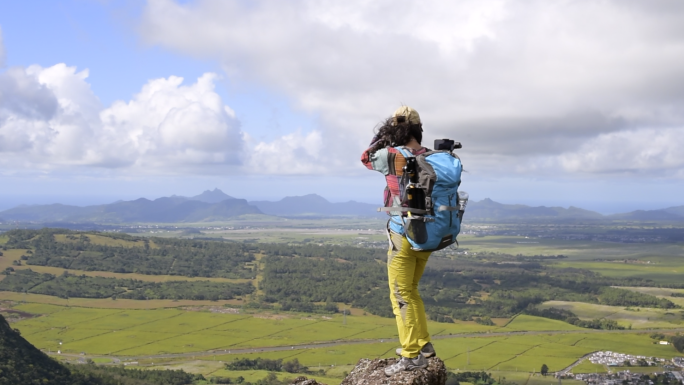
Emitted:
pixel 372 372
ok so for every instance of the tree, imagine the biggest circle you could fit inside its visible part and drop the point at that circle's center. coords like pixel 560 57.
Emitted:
pixel 544 369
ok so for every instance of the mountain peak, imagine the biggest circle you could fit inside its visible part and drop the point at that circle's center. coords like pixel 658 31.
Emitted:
pixel 211 196
pixel 308 198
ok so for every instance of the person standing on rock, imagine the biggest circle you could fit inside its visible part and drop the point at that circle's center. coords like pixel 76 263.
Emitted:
pixel 402 132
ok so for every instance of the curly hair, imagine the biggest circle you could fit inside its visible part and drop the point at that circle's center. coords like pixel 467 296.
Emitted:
pixel 396 134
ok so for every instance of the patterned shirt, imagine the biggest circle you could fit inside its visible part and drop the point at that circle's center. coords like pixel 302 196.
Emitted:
pixel 390 162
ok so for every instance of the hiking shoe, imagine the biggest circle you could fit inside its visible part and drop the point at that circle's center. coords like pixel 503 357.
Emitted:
pixel 427 350
pixel 407 364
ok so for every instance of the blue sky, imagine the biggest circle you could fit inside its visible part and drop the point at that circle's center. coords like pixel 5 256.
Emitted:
pixel 556 103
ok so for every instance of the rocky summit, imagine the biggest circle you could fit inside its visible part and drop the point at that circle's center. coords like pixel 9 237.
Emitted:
pixel 372 372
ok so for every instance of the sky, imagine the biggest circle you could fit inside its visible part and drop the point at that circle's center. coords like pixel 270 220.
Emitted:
pixel 556 102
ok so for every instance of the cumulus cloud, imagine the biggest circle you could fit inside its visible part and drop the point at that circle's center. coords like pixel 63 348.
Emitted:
pixel 518 82
pixel 173 125
pixel 291 154
pixel 656 151
pixel 50 118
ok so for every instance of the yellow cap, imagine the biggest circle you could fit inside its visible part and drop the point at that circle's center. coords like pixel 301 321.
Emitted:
pixel 409 113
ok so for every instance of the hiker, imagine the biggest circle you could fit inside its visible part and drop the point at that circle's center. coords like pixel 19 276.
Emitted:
pixel 405 266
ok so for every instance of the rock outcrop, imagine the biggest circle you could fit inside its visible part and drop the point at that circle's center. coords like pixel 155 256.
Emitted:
pixel 372 372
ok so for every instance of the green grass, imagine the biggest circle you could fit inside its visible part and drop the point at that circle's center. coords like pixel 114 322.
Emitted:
pixel 587 367
pixel 664 269
pixel 638 318
pixel 144 332
pixel 147 332
pixel 526 322
pixel 106 333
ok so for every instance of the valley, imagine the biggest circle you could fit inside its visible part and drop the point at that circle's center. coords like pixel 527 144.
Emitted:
pixel 166 310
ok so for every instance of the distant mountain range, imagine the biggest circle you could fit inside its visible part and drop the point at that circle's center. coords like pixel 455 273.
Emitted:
pixel 206 207
pixel 315 205
pixel 215 205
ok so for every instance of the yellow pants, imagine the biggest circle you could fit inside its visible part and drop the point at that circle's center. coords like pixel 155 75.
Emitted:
pixel 404 269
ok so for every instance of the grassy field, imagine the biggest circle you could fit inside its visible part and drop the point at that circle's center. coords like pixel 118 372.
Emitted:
pixel 144 332
pixel 512 357
pixel 128 332
pixel 107 241
pixel 666 270
pixel 109 303
pixel 340 231
pixel 638 318
pixel 137 333
pixel 587 367
pixel 585 250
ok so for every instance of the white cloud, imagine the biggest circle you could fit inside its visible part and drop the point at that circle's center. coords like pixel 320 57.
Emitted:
pixel 517 82
pixel 656 151
pixel 50 119
pixel 292 154
pixel 171 125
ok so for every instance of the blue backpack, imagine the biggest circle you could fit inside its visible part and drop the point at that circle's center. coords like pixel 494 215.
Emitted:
pixel 435 227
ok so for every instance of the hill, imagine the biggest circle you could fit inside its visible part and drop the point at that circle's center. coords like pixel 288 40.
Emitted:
pixel 315 205
pixel 211 196
pixel 669 214
pixel 22 363
pixel 488 209
pixel 206 207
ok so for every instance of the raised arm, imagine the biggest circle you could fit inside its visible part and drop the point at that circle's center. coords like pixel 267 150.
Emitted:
pixel 378 160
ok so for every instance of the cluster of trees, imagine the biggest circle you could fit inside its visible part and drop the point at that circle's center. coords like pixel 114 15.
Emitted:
pixel 196 290
pixel 346 253
pixel 620 297
pixel 226 380
pixel 305 274
pixel 603 324
pixel 155 256
pixel 292 366
pixel 118 375
pixel 486 320
pixel 81 286
pixel 270 379
pixel 480 378
pixel 571 318
pixel 300 279
pixel 680 295
pixel 678 342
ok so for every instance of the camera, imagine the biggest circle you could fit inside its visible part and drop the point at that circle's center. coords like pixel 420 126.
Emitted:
pixel 446 144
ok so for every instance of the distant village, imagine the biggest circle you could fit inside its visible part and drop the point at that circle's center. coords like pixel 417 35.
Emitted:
pixel 671 373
